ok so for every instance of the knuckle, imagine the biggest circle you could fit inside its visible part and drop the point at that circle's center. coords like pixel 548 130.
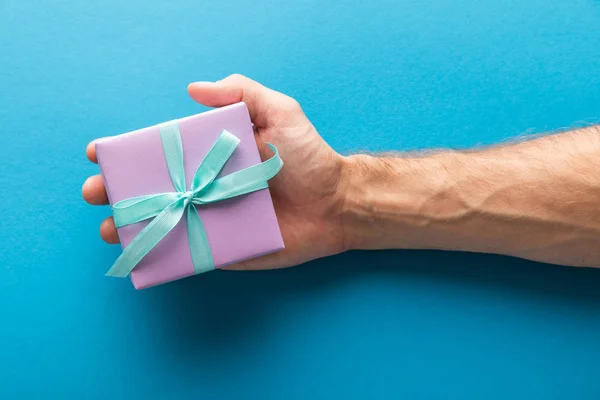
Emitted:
pixel 288 104
pixel 235 78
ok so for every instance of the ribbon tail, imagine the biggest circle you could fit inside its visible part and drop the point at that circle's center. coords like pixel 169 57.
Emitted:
pixel 140 208
pixel 147 239
pixel 243 181
pixel 198 242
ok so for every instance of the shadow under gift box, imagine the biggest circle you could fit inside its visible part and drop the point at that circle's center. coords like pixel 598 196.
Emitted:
pixel 241 228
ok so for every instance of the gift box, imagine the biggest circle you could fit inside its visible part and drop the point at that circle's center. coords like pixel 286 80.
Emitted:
pixel 235 223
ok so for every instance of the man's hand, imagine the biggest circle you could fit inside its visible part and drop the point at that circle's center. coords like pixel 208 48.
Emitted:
pixel 537 199
pixel 308 193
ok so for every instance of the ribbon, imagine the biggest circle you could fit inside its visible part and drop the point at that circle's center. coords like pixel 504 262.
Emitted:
pixel 167 209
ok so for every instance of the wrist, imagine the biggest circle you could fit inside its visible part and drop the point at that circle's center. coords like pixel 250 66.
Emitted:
pixel 397 202
pixel 368 213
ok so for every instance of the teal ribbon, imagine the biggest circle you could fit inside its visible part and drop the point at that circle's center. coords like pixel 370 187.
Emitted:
pixel 167 209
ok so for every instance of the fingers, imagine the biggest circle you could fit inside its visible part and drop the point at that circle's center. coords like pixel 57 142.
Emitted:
pixel 93 190
pixel 108 231
pixel 233 89
pixel 90 152
pixel 214 94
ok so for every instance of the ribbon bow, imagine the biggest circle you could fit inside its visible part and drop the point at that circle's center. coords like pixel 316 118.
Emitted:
pixel 167 209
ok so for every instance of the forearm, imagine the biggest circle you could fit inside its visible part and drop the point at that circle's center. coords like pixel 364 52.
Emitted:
pixel 538 200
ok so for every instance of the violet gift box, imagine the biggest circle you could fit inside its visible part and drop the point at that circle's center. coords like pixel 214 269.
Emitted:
pixel 133 164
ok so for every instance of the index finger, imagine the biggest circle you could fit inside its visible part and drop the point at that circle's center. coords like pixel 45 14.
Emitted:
pixel 90 151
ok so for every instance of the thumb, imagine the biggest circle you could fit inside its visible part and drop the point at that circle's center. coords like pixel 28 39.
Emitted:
pixel 233 89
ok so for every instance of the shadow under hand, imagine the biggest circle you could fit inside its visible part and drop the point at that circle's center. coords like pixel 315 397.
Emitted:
pixel 218 313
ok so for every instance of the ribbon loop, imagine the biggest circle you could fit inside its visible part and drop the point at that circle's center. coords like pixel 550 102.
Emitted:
pixel 140 208
pixel 167 209
pixel 214 161
pixel 244 181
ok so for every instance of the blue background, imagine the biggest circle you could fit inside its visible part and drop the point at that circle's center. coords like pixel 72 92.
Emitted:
pixel 380 75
